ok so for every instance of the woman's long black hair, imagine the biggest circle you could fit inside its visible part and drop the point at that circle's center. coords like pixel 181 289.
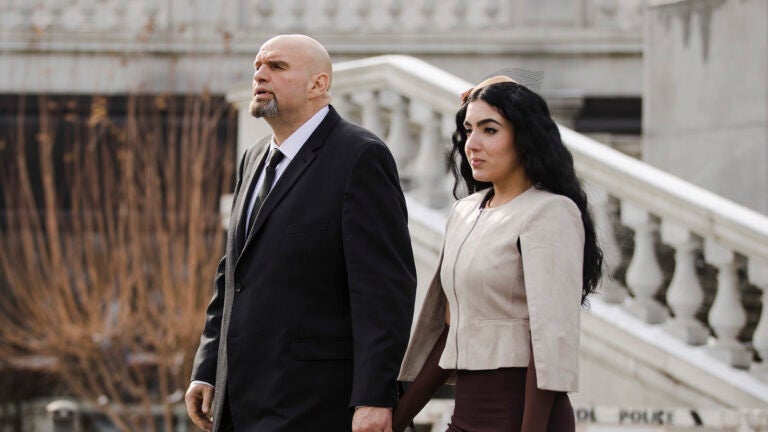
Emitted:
pixel 547 163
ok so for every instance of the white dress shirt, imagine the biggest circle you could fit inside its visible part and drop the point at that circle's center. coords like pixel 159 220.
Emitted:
pixel 289 148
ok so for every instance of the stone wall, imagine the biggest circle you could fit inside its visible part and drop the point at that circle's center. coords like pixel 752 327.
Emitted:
pixel 705 113
pixel 585 47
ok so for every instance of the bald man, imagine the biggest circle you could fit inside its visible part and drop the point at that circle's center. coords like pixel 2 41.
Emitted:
pixel 313 299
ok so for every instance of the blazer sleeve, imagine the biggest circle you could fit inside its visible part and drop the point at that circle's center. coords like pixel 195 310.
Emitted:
pixel 552 248
pixel 430 322
pixel 204 365
pixel 381 274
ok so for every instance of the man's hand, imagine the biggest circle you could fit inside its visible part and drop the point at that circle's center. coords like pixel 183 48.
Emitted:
pixel 198 400
pixel 372 419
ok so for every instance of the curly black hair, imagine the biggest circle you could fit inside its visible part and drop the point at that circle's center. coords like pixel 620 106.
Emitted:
pixel 546 160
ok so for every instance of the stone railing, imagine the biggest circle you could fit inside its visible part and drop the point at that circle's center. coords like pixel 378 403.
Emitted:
pixel 692 221
pixel 172 22
pixel 367 16
pixel 181 46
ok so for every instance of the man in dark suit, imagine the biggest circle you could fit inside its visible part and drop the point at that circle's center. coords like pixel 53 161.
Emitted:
pixel 313 300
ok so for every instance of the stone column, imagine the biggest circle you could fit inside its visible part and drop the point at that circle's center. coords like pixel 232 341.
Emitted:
pixel 705 96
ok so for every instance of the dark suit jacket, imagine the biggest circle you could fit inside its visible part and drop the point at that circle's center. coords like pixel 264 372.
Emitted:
pixel 311 313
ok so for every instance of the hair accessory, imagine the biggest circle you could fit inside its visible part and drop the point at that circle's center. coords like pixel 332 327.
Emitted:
pixel 485 83
pixel 529 79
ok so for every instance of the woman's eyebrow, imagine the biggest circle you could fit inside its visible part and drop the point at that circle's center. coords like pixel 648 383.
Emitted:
pixel 482 122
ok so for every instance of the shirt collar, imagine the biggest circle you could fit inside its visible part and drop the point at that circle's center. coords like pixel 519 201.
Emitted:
pixel 296 140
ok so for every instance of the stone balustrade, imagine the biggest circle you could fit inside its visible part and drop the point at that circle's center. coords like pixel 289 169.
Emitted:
pixel 351 29
pixel 694 222
pixel 181 46
pixel 195 18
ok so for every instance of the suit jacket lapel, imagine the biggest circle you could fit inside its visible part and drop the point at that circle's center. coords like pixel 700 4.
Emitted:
pixel 249 181
pixel 293 172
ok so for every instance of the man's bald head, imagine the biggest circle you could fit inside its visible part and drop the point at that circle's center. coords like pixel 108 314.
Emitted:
pixel 317 58
pixel 291 82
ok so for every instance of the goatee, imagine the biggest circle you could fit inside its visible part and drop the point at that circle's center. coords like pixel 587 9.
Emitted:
pixel 264 111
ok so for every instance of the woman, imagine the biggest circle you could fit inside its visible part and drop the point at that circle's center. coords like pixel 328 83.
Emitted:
pixel 501 316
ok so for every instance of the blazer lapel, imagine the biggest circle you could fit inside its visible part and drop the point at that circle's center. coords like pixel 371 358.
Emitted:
pixel 249 181
pixel 293 172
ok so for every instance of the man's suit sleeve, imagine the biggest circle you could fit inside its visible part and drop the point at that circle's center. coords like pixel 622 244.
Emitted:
pixel 381 274
pixel 204 366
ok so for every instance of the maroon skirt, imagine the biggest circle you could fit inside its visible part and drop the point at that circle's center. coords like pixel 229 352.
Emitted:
pixel 493 401
pixel 486 400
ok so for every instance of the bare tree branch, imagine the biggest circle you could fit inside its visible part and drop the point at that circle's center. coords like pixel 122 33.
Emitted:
pixel 110 239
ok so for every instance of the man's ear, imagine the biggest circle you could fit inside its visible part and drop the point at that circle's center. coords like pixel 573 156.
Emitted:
pixel 319 85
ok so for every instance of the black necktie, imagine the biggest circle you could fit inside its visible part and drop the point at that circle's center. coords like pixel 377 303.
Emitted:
pixel 275 156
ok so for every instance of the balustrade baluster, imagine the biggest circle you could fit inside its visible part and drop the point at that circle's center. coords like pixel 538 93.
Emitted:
pixel 264 9
pixel 399 139
pixel 492 9
pixel 297 11
pixel 429 167
pixel 343 104
pixel 610 290
pixel 644 276
pixel 395 11
pixel 88 10
pixel 427 10
pixel 444 420
pixel 39 19
pixel 119 11
pixel 460 12
pixel 363 9
pixel 56 12
pixel 150 11
pixel 24 11
pixel 331 10
pixel 758 275
pixel 372 113
pixel 727 316
pixel 684 294
pixel 7 16
pixel 448 180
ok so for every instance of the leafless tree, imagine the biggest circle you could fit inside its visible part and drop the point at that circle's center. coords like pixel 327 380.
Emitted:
pixel 110 239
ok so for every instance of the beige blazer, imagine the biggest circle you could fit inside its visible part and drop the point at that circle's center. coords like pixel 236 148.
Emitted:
pixel 501 303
